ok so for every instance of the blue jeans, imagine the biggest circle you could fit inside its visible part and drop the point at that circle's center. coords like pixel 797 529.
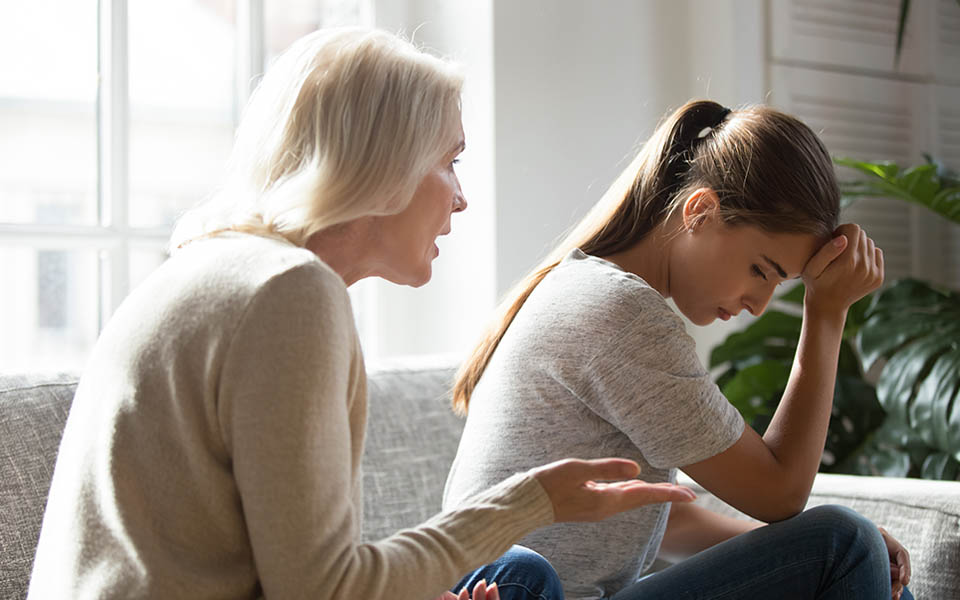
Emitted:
pixel 825 553
pixel 520 574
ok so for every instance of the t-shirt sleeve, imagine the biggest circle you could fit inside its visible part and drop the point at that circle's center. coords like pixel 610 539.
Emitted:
pixel 647 381
pixel 292 431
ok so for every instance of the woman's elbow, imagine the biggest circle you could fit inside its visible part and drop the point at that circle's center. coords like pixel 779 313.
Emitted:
pixel 783 505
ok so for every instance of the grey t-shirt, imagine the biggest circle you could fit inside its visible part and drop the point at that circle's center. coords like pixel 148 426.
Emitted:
pixel 595 364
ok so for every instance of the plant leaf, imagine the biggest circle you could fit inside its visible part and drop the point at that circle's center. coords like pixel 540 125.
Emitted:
pixel 753 389
pixel 896 386
pixel 855 414
pixel 794 295
pixel 930 185
pixel 921 183
pixel 880 454
pixel 901 29
pixel 774 334
pixel 906 310
pixel 882 169
pixel 940 465
pixel 936 400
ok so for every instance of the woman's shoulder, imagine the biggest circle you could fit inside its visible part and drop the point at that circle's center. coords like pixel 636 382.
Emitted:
pixel 252 262
pixel 592 284
pixel 222 278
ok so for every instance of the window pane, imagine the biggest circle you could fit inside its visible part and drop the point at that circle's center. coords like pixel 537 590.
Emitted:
pixel 50 323
pixel 48 145
pixel 181 103
pixel 144 261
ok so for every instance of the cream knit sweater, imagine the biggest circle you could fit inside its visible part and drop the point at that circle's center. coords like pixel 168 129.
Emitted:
pixel 213 449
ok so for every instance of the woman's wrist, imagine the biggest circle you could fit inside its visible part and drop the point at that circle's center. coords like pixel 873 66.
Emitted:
pixel 823 313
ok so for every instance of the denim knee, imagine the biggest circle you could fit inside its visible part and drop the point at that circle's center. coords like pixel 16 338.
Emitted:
pixel 848 531
pixel 520 574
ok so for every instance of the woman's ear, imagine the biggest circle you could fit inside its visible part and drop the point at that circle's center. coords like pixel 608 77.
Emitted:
pixel 698 207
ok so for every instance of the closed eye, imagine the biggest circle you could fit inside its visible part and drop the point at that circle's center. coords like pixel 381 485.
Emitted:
pixel 758 272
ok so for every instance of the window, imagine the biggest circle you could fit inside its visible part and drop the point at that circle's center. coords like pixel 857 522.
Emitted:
pixel 117 116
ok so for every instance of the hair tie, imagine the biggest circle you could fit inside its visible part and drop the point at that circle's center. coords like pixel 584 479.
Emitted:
pixel 708 129
pixel 723 115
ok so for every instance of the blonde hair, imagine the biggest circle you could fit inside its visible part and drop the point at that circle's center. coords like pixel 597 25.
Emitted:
pixel 344 125
pixel 769 170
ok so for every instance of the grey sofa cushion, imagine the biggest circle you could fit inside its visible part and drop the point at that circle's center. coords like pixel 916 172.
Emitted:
pixel 412 437
pixel 33 411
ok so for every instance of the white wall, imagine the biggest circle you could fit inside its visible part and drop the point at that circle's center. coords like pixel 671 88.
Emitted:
pixel 559 96
pixel 446 315
pixel 577 88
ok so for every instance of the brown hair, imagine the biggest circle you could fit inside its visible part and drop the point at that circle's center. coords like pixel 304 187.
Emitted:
pixel 768 169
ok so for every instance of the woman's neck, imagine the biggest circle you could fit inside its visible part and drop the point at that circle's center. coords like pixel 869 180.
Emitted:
pixel 649 258
pixel 344 248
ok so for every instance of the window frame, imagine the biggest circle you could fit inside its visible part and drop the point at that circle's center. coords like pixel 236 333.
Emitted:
pixel 112 236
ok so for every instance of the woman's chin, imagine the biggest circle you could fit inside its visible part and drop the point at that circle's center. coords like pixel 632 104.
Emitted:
pixel 700 319
pixel 422 277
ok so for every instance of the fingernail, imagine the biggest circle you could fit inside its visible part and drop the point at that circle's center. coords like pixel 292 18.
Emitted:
pixel 838 241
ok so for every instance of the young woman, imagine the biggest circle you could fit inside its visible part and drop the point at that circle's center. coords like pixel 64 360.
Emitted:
pixel 213 449
pixel 587 358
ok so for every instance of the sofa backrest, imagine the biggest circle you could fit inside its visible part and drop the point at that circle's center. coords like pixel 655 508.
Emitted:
pixel 33 411
pixel 411 439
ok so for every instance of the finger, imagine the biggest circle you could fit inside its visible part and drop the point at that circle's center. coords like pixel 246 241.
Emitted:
pixel 826 255
pixel 878 259
pixel 464 594
pixel 606 469
pixel 639 484
pixel 635 496
pixel 866 244
pixel 480 590
pixel 493 592
pixel 852 231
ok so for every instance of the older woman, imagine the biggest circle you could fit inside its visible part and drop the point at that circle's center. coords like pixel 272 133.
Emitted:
pixel 214 445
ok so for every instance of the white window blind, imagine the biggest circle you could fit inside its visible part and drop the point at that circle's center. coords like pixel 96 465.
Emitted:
pixel 849 33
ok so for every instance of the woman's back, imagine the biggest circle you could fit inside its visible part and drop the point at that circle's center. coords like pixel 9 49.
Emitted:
pixel 146 496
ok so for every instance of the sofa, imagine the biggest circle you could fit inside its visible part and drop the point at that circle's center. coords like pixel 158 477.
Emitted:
pixel 411 440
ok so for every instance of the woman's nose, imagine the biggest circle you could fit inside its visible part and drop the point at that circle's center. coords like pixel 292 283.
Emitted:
pixel 459 202
pixel 758 304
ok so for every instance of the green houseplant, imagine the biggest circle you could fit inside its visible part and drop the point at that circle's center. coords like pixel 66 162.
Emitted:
pixel 912 330
pixel 909 423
